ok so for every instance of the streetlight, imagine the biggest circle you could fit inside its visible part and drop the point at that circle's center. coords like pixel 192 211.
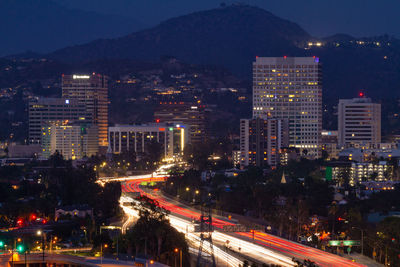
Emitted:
pixel 362 239
pixel 41 234
pixel 101 252
pixel 176 250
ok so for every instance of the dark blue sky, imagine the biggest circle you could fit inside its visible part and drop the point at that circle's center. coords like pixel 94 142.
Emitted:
pixel 318 17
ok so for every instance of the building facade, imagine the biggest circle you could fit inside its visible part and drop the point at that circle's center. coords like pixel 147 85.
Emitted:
pixel 92 91
pixel 44 110
pixel 137 138
pixel 291 88
pixel 329 144
pixel 359 122
pixel 190 114
pixel 72 141
pixel 261 141
pixel 236 156
pixel 356 172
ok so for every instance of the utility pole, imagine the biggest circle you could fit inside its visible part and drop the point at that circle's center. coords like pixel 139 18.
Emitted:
pixel 386 257
pixel 43 245
pixel 117 247
pixel 206 230
pixel 12 253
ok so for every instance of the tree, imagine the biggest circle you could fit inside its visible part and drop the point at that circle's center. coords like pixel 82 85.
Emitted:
pixel 197 155
pixel 153 235
pixel 333 210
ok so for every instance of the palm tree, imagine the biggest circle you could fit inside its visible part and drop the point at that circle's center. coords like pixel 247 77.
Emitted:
pixel 333 209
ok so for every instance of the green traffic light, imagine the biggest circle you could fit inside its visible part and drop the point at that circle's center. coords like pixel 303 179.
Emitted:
pixel 20 248
pixel 1 244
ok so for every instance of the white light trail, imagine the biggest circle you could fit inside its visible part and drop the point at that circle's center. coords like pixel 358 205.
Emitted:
pixel 182 225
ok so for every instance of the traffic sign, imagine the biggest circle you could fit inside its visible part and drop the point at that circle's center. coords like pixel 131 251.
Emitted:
pixel 344 243
pixel 240 228
pixel 351 243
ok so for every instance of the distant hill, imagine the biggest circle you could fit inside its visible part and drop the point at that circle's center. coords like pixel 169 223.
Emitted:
pixel 229 36
pixel 43 26
pixel 233 36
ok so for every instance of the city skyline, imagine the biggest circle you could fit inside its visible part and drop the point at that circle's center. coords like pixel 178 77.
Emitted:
pixel 225 137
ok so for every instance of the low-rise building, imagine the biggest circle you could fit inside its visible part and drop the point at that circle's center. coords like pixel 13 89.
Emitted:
pixel 347 172
pixel 72 140
pixel 24 151
pixel 287 154
pixel 137 138
pixel 80 211
pixel 379 186
pixel 329 141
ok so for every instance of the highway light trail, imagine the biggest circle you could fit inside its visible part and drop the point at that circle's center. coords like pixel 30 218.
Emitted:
pixel 130 213
pixel 182 226
pixel 268 247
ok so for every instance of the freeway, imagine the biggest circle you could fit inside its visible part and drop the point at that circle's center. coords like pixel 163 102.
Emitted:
pixel 264 247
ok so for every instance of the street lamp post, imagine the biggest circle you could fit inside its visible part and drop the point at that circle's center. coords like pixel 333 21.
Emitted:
pixel 177 250
pixel 362 239
pixel 41 234
pixel 101 252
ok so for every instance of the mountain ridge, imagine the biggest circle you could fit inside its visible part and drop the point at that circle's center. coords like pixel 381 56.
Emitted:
pixel 233 36
pixel 197 36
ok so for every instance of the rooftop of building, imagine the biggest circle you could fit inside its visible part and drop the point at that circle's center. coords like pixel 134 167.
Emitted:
pixel 357 100
pixel 155 126
pixel 287 60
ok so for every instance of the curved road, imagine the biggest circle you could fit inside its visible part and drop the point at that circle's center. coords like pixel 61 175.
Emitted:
pixel 273 243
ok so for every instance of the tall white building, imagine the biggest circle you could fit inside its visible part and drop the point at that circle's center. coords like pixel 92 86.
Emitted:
pixel 92 91
pixel 359 122
pixel 291 88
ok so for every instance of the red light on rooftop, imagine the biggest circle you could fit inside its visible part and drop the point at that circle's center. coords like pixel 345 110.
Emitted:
pixel 256 56
pixel 285 57
pixel 360 94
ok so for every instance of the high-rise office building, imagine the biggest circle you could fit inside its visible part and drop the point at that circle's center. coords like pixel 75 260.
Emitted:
pixel 92 91
pixel 291 88
pixel 359 122
pixel 71 140
pixel 190 114
pixel 44 110
pixel 261 141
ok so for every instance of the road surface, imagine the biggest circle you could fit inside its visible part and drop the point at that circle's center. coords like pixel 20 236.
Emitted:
pixel 266 247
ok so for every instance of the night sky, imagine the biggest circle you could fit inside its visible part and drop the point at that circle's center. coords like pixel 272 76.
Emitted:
pixel 319 17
